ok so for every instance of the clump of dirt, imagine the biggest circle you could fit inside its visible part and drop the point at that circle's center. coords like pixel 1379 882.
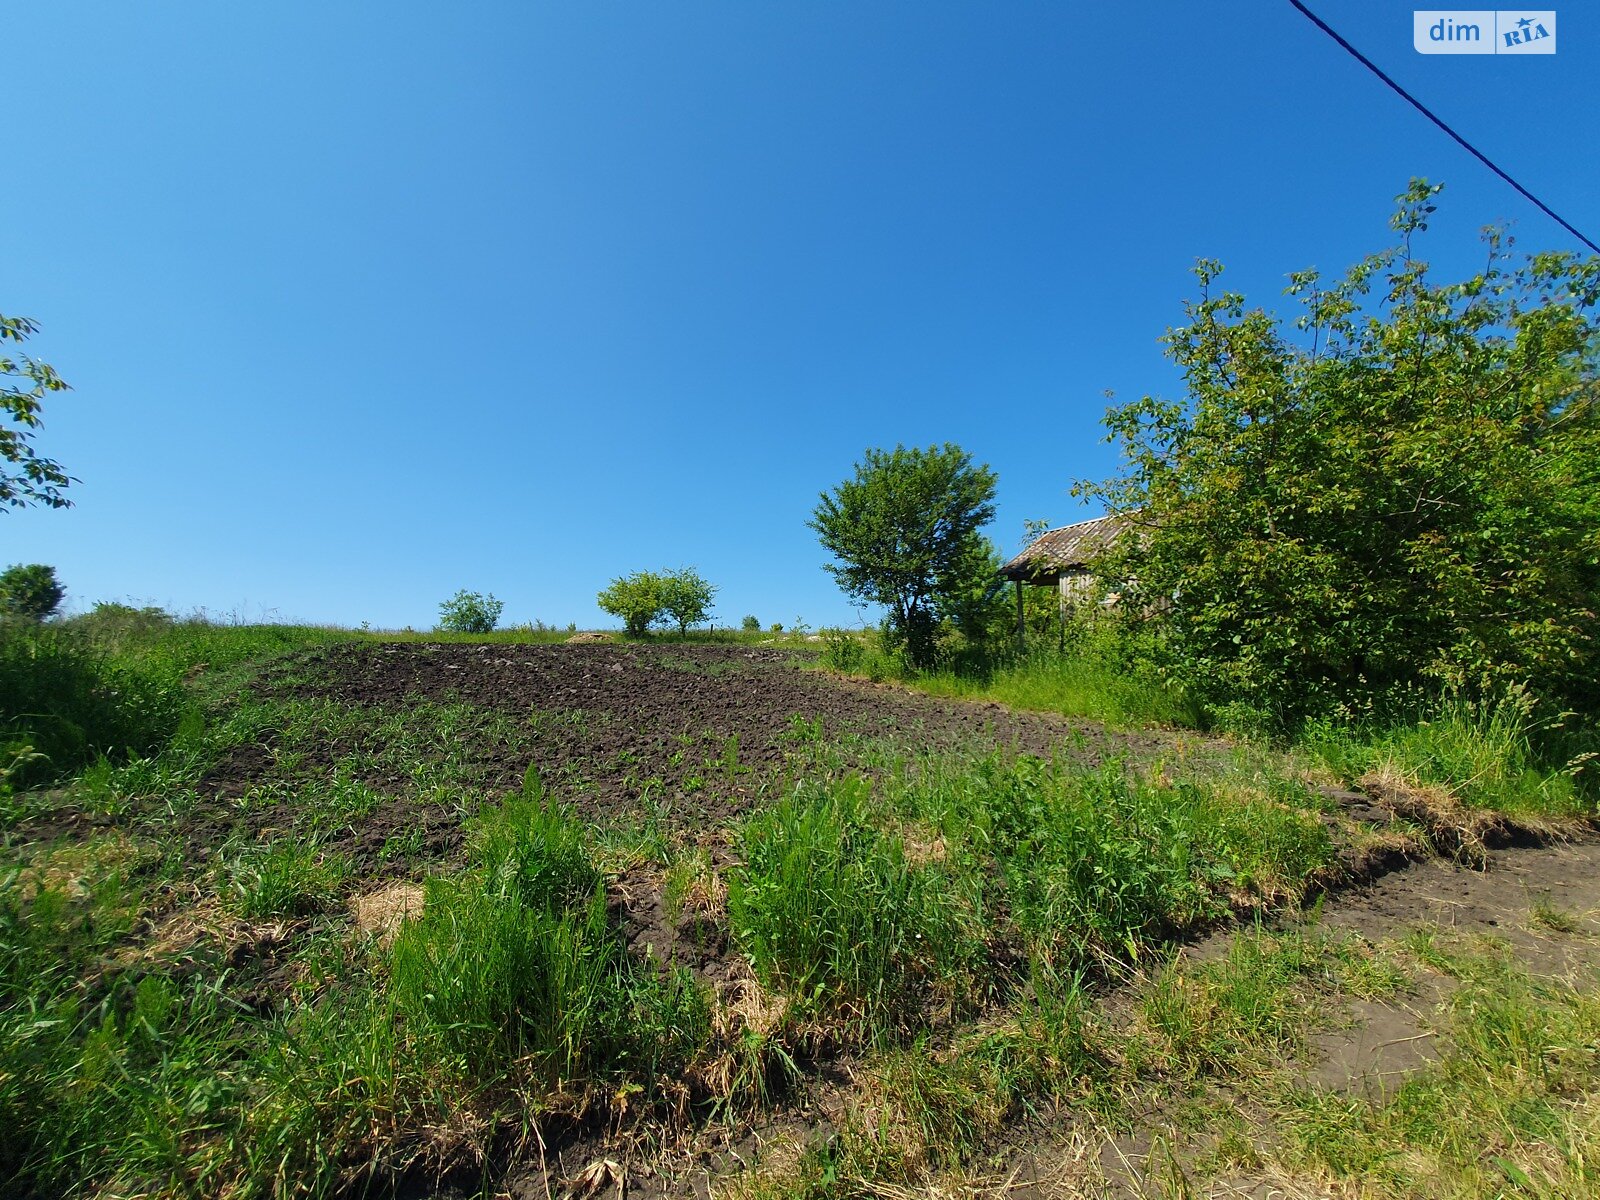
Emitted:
pixel 692 934
pixel 1454 827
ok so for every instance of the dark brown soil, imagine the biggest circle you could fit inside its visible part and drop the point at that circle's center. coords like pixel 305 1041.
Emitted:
pixel 702 729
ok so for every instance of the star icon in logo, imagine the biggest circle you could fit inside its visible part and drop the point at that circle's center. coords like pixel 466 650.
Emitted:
pixel 1525 22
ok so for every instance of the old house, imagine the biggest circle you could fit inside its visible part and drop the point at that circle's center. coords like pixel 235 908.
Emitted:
pixel 1061 558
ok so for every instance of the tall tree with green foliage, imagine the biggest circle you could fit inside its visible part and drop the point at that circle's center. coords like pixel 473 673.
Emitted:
pixel 1402 487
pixel 904 532
pixel 25 476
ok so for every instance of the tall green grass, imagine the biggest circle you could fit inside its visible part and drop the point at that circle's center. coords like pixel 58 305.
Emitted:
pixel 1495 753
pixel 1076 683
pixel 64 700
pixel 516 969
pixel 944 880
pixel 114 684
pixel 830 909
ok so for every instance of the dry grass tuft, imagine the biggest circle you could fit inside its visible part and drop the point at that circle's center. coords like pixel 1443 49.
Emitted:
pixel 381 913
pixel 1454 827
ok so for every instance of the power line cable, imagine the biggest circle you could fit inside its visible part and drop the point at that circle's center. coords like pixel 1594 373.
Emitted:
pixel 1423 109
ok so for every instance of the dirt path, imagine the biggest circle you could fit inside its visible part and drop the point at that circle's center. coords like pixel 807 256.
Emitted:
pixel 1378 1043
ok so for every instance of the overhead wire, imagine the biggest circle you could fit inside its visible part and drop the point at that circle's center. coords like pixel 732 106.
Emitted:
pixel 1427 112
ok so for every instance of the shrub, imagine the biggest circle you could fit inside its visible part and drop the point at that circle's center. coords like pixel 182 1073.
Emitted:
pixel 751 624
pixel 29 592
pixel 1406 490
pixel 470 612
pixel 842 651
pixel 115 625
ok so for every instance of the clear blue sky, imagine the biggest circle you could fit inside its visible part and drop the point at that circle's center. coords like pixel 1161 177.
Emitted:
pixel 364 302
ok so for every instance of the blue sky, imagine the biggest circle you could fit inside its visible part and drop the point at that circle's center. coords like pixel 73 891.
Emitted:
pixel 364 303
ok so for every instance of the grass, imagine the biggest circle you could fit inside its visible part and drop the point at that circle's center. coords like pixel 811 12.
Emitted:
pixel 1078 681
pixel 282 878
pixel 982 939
pixel 1509 1108
pixel 1491 754
pixel 112 684
pixel 829 909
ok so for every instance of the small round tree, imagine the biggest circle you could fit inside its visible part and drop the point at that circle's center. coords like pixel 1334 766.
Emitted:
pixel 638 599
pixel 686 598
pixel 470 612
pixel 29 592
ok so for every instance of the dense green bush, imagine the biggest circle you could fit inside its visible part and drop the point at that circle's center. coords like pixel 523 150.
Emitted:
pixel 470 612
pixel 1403 487
pixel 29 592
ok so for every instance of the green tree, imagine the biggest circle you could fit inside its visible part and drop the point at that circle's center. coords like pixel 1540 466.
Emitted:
pixel 904 532
pixel 1402 487
pixel 25 477
pixel 638 599
pixel 686 598
pixel 470 612
pixel 29 592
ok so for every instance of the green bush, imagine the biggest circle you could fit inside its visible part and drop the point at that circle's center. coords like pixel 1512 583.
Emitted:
pixel 842 651
pixel 29 592
pixel 1406 491
pixel 470 612
pixel 112 625
pixel 751 624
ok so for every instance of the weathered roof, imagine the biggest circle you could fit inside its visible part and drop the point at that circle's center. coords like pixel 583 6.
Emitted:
pixel 1070 548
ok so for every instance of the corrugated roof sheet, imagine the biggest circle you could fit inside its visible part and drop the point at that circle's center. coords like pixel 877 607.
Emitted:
pixel 1069 548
